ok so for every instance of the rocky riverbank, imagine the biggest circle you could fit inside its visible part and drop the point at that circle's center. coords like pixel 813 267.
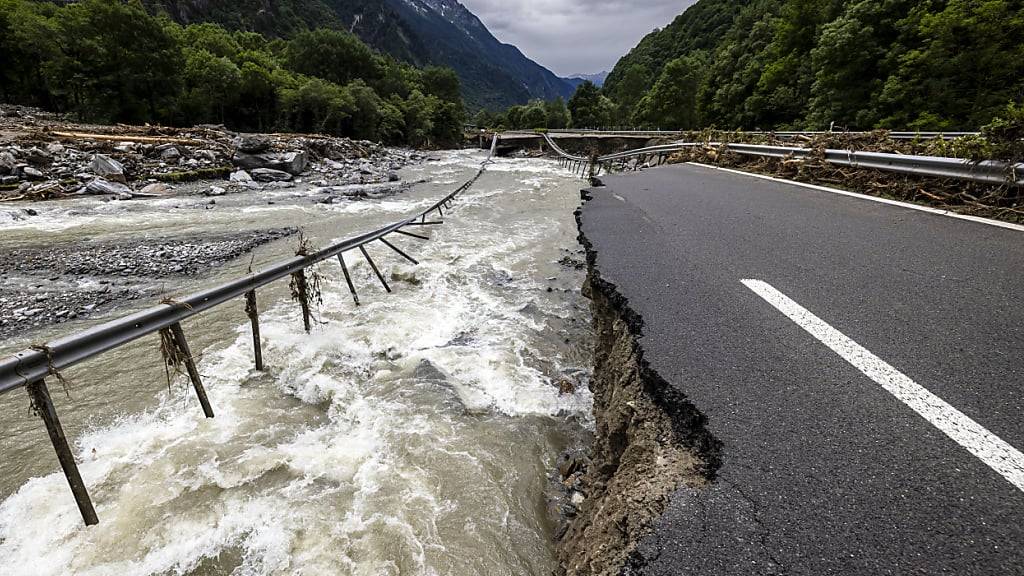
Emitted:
pixel 53 284
pixel 43 158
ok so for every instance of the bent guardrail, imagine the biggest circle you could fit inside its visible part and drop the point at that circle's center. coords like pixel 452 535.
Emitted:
pixel 29 368
pixel 985 172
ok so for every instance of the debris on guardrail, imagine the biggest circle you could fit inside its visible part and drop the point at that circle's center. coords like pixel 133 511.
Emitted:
pixel 306 287
pixel 1000 201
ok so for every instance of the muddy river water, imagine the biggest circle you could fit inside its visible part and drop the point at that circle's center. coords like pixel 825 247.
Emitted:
pixel 415 434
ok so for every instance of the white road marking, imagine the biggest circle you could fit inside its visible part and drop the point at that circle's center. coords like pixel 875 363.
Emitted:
pixel 989 448
pixel 918 207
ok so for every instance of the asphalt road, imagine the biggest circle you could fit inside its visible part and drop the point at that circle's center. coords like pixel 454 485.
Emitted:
pixel 825 470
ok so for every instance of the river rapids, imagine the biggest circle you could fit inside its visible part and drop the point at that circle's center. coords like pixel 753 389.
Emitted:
pixel 416 434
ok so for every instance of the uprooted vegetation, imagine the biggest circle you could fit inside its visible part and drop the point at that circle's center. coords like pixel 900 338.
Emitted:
pixel 998 141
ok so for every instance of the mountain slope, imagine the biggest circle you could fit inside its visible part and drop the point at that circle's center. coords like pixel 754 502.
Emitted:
pixel 597 79
pixel 813 64
pixel 443 32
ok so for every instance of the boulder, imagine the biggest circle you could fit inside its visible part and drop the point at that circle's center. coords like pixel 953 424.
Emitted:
pixel 293 163
pixel 170 153
pixel 38 157
pixel 107 168
pixel 240 177
pixel 207 155
pixel 156 189
pixel 7 162
pixel 216 191
pixel 252 144
pixel 101 186
pixel 270 175
pixel 32 174
pixel 55 148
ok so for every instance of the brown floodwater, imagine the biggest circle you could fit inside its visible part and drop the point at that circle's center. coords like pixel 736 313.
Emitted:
pixel 415 434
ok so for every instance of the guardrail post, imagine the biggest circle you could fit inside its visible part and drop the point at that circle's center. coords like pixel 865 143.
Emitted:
pixel 302 289
pixel 375 270
pixel 254 319
pixel 400 253
pixel 190 366
pixel 348 279
pixel 43 404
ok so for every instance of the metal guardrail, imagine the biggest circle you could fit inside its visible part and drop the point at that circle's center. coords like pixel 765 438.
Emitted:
pixel 29 368
pixel 984 172
pixel 784 134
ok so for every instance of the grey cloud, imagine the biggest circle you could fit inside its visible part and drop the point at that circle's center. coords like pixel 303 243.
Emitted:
pixel 575 36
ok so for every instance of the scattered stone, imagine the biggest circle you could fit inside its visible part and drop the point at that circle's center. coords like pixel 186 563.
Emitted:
pixel 270 175
pixel 240 176
pixel 170 154
pixel 252 144
pixel 293 163
pixel 7 162
pixel 32 173
pixel 216 191
pixel 107 168
pixel 100 186
pixel 156 189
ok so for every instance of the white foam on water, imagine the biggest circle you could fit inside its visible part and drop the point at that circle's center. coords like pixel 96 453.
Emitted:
pixel 390 440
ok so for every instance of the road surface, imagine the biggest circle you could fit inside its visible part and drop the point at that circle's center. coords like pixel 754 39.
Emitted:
pixel 861 363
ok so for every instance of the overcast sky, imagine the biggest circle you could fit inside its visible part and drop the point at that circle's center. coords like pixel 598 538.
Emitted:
pixel 575 36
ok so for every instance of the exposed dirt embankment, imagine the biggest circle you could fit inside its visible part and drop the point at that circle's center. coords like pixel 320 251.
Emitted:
pixel 650 440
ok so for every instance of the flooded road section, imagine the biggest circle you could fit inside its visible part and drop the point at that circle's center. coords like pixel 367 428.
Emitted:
pixel 414 434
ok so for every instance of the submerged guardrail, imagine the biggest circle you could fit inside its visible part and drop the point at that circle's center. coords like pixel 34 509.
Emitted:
pixel 29 368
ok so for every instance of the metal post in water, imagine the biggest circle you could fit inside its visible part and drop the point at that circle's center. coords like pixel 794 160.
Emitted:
pixel 375 270
pixel 43 404
pixel 400 253
pixel 348 279
pixel 190 366
pixel 301 289
pixel 254 319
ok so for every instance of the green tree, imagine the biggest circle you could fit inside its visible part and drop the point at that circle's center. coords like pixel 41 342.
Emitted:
pixel 443 83
pixel 211 38
pixel 964 62
pixel 587 108
pixel 212 85
pixel 317 106
pixel 535 115
pixel 635 82
pixel 332 55
pixel 27 43
pixel 116 62
pixel 557 113
pixel 672 102
pixel 417 113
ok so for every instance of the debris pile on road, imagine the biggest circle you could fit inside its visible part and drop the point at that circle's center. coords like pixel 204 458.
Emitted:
pixel 42 158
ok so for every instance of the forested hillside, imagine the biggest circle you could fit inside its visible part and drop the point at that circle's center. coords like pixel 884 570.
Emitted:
pixel 421 32
pixel 109 61
pixel 912 64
